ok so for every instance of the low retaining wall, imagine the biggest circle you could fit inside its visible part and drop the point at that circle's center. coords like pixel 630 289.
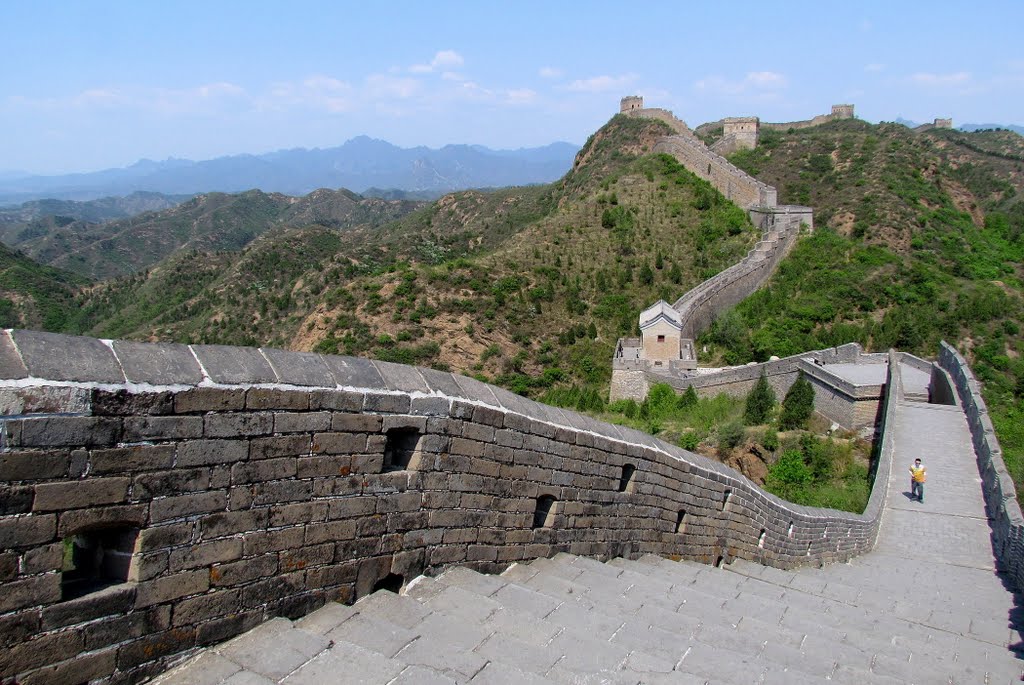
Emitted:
pixel 737 185
pixel 997 486
pixel 157 498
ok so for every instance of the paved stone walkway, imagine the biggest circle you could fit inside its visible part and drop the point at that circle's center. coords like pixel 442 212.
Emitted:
pixel 926 606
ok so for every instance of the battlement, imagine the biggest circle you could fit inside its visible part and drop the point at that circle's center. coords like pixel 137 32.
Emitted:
pixel 842 111
pixel 631 103
pixel 943 123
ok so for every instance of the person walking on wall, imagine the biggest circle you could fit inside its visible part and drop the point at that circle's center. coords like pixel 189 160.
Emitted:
pixel 918 475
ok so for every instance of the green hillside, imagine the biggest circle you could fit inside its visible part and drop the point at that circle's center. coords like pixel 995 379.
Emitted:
pixel 35 296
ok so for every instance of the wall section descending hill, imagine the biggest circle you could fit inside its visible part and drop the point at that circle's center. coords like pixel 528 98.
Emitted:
pixel 156 498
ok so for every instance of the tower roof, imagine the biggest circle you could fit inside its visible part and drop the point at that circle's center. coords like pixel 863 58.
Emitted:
pixel 660 310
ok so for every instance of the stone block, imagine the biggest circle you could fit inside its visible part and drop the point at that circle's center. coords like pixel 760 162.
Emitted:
pixel 158 363
pixel 430 406
pixel 205 554
pixel 441 382
pixel 263 470
pixel 29 592
pixel 391 404
pixel 236 425
pixel 489 416
pixel 67 358
pixel 177 481
pixel 211 605
pixel 299 422
pixel 351 506
pixel 208 452
pixel 473 389
pixel 234 365
pixel 357 423
pixel 34 465
pixel 169 508
pixel 171 587
pixel 263 541
pixel 274 398
pixel 77 494
pixel 271 589
pixel 336 400
pixel 299 368
pixel 353 372
pixel 167 535
pixel 118 599
pixel 18 627
pixel 244 571
pixel 232 522
pixel 44 649
pixel 339 443
pixel 71 522
pixel 137 458
pixel 208 399
pixel 306 557
pixel 401 377
pixel 46 399
pixel 324 465
pixel 275 492
pixel 154 646
pixel 126 403
pixel 142 428
pixel 71 431
pixel 291 514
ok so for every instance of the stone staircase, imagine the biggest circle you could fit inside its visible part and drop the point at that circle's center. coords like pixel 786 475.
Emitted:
pixel 571 619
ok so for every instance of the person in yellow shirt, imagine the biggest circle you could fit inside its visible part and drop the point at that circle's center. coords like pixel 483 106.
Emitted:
pixel 918 475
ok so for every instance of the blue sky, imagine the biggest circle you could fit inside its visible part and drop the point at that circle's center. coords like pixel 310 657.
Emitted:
pixel 89 85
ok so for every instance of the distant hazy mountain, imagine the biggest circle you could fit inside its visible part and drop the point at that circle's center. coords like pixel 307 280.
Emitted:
pixel 359 164
pixel 95 211
pixel 979 127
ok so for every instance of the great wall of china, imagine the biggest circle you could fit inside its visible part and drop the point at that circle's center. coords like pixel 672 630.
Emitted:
pixel 157 499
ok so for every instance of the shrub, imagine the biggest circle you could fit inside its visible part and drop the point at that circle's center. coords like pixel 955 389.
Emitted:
pixel 688 398
pixel 798 404
pixel 730 435
pixel 770 439
pixel 689 440
pixel 760 403
pixel 789 469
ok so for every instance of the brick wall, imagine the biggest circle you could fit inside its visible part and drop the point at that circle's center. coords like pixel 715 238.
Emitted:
pixel 258 482
pixel 999 491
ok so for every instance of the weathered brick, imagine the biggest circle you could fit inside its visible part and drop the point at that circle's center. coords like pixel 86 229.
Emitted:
pixel 266 469
pixel 44 649
pixel 488 416
pixel 244 571
pixel 208 452
pixel 71 522
pixel 229 523
pixel 279 446
pixel 16 628
pixel 339 443
pixel 34 465
pixel 154 646
pixel 271 589
pixel 306 557
pixel 392 404
pixel 210 605
pixel 208 399
pixel 138 428
pixel 167 535
pixel 234 425
pixel 118 599
pixel 302 512
pixel 350 550
pixel 131 459
pixel 279 491
pixel 430 406
pixel 205 554
pixel 134 625
pixel 405 501
pixel 325 465
pixel 270 398
pixel 330 531
pixel 84 493
pixel 263 541
pixel 30 592
pixel 357 423
pixel 149 485
pixel 187 505
pixel 73 431
pixel 298 422
pixel 16 500
pixel 336 400
pixel 148 566
pixel 219 630
pixel 83 668
pixel 124 403
pixel 171 587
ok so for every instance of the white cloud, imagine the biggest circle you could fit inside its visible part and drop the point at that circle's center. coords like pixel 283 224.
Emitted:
pixel 758 82
pixel 453 76
pixel 602 84
pixel 549 72
pixel 955 79
pixel 387 86
pixel 443 59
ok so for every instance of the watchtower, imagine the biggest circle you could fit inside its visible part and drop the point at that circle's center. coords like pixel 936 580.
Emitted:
pixel 631 103
pixel 744 131
pixel 842 111
pixel 943 123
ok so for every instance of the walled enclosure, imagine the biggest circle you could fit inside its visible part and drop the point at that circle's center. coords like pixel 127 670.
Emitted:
pixel 259 483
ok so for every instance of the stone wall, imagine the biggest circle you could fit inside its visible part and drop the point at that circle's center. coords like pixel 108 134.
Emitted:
pixel 737 185
pixel 231 485
pixel 852 407
pixel 999 491
pixel 702 305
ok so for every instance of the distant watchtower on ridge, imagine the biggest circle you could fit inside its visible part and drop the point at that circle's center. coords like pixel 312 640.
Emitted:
pixel 631 103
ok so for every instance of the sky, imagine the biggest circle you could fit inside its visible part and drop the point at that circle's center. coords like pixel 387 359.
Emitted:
pixel 98 84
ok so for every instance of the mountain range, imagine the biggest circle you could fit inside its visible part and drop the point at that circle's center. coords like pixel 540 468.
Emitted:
pixel 360 164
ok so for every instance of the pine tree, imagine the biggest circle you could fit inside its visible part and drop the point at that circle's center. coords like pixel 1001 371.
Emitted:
pixel 688 398
pixel 760 403
pixel 798 404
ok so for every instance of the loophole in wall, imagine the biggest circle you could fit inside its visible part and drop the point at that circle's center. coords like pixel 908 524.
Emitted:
pixel 400 449
pixel 626 480
pixel 96 559
pixel 544 514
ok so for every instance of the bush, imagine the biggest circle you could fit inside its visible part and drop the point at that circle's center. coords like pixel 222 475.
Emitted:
pixel 688 398
pixel 790 469
pixel 730 435
pixel 689 440
pixel 798 405
pixel 770 439
pixel 760 403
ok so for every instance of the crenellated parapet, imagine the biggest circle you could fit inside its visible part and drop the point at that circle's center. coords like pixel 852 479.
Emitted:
pixel 157 498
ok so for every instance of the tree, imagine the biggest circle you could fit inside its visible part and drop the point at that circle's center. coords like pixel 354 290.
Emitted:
pixel 646 275
pixel 688 398
pixel 760 403
pixel 798 404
